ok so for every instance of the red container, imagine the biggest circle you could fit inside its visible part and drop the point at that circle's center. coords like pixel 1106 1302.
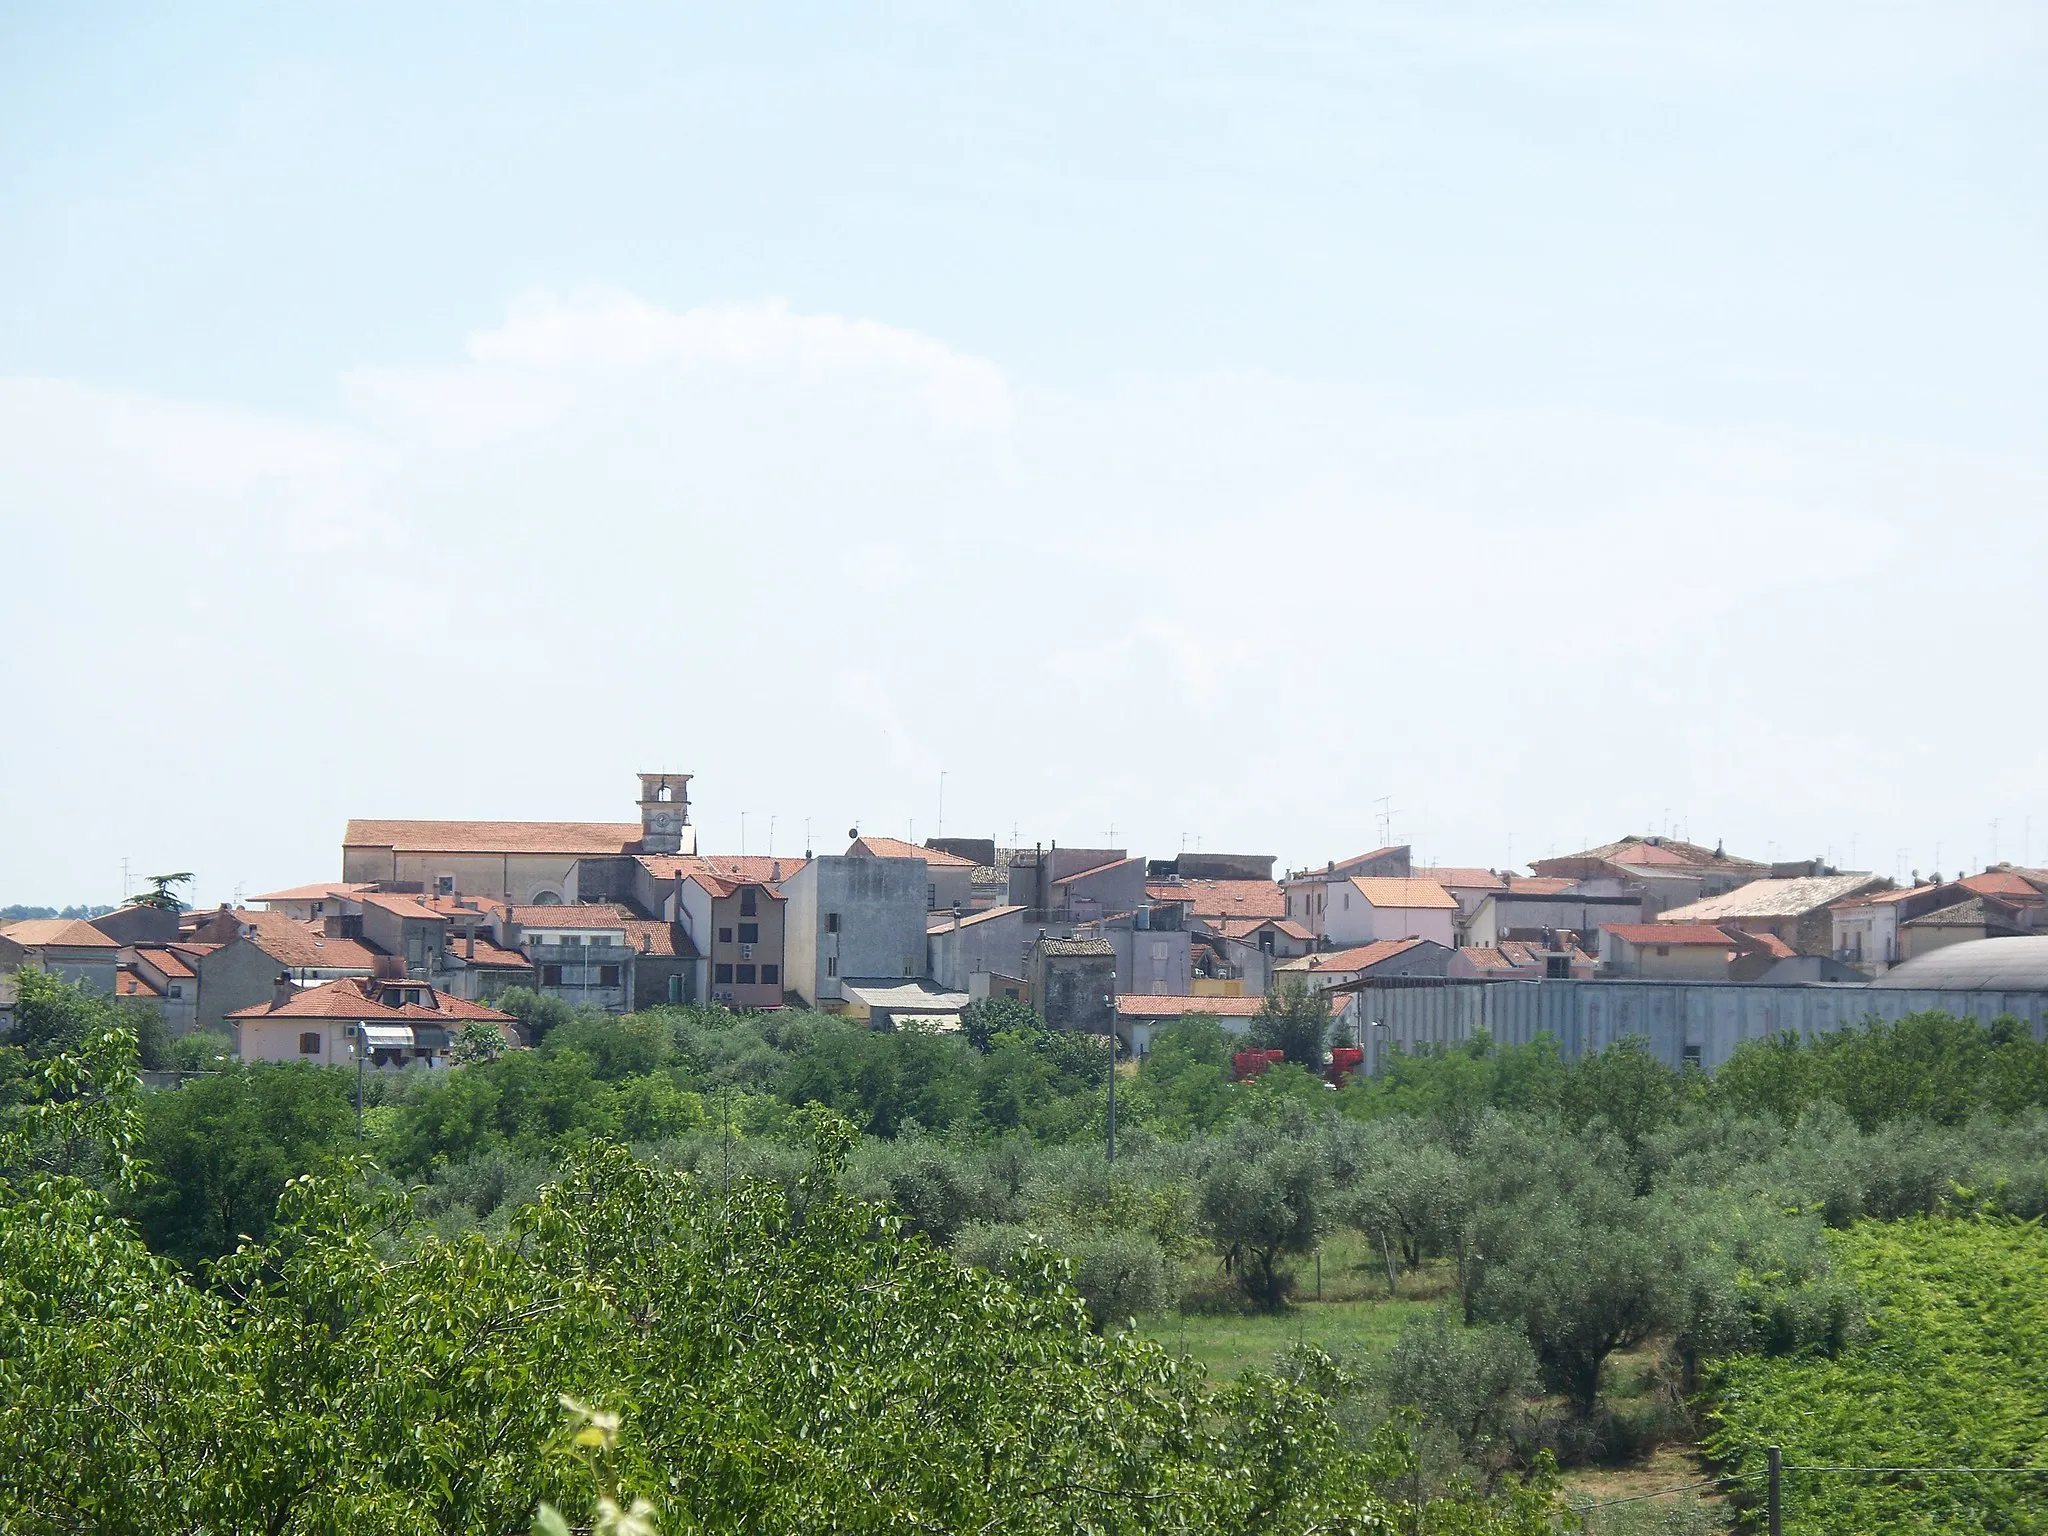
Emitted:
pixel 1344 1060
pixel 1255 1063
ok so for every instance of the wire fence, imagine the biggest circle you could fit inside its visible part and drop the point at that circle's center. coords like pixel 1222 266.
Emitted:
pixel 1771 1478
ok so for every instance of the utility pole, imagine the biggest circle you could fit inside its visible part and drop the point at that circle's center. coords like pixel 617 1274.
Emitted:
pixel 362 1050
pixel 942 804
pixel 1774 1506
pixel 1111 1001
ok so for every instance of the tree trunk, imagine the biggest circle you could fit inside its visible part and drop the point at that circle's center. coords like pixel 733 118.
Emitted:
pixel 1387 1253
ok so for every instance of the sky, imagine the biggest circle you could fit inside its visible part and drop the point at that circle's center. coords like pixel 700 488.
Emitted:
pixel 1249 428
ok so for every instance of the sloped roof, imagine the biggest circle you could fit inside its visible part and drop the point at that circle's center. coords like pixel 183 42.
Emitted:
pixel 165 959
pixel 723 873
pixel 303 946
pixel 1391 893
pixel 1097 869
pixel 665 941
pixel 1222 898
pixel 1449 874
pixel 579 838
pixel 1773 898
pixel 58 932
pixel 486 954
pixel 1245 927
pixel 1974 913
pixel 1977 965
pixel 356 998
pixel 1136 1005
pixel 312 892
pixel 1361 957
pixel 581 917
pixel 896 848
pixel 1691 935
pixel 1537 885
pixel 127 983
pixel 939 923
pixel 2001 882
pixel 1487 957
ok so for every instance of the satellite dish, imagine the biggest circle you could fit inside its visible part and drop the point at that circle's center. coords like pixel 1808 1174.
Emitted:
pixel 853 832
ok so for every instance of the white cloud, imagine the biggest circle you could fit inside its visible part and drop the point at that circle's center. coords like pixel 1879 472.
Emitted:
pixel 818 560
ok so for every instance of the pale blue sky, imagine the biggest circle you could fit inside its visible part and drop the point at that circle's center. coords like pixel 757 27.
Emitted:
pixel 1561 419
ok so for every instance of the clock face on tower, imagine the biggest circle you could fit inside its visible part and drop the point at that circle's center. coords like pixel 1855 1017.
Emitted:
pixel 663 821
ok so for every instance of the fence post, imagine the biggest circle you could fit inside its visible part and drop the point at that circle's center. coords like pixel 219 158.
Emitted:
pixel 1777 1466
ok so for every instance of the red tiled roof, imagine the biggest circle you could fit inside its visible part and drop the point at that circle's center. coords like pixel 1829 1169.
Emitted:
pixel 400 905
pixel 357 998
pixel 723 873
pixel 581 917
pixel 1769 943
pixel 486 954
pixel 303 946
pixel 1539 885
pixel 1390 893
pixel 1450 874
pixel 61 932
pixel 128 984
pixel 1222 898
pixel 311 892
pixel 166 960
pixel 943 922
pixel 1360 957
pixel 648 937
pixel 1245 927
pixel 2000 882
pixel 1704 935
pixel 587 838
pixel 896 848
pixel 1345 866
pixel 1487 957
pixel 1096 869
pixel 1134 1005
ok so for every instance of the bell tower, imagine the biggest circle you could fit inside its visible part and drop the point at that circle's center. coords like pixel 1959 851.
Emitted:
pixel 665 814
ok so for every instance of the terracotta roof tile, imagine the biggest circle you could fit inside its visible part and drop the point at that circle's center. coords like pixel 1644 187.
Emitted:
pixel 486 954
pixel 1222 898
pixel 303 946
pixel 723 873
pixel 938 923
pixel 1361 957
pixel 311 892
pixel 1096 869
pixel 1691 935
pixel 1449 874
pixel 896 848
pixel 584 838
pixel 128 984
pixel 1389 893
pixel 1538 885
pixel 62 932
pixel 580 917
pixel 167 961
pixel 1133 1005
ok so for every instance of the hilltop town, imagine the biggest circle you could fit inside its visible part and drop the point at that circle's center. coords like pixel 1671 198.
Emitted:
pixel 1691 948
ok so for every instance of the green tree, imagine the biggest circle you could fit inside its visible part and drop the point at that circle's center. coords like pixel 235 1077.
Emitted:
pixel 981 1022
pixel 162 893
pixel 1294 1020
pixel 481 1041
pixel 1262 1198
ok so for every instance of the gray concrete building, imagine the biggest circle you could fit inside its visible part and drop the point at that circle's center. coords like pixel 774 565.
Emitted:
pixel 1074 983
pixel 962 945
pixel 852 919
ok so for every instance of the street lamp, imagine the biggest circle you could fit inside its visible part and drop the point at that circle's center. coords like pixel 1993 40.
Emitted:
pixel 1110 1002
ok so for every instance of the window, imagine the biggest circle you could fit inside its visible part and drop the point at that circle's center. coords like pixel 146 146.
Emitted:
pixel 309 1045
pixel 722 975
pixel 1663 949
pixel 177 989
pixel 675 989
pixel 445 885
pixel 1690 1056
pixel 607 975
pixel 725 935
pixel 746 976
pixel 771 975
pixel 748 899
pixel 750 933
pixel 1010 993
pixel 831 922
pixel 831 965
pixel 551 975
pixel 931 898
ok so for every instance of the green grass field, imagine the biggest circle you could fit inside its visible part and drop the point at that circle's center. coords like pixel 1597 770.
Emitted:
pixel 1227 1343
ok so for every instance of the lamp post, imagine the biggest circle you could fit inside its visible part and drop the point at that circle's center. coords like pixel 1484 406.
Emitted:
pixel 1110 1002
pixel 361 1052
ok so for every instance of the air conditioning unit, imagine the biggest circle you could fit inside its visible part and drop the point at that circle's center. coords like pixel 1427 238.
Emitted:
pixel 746 951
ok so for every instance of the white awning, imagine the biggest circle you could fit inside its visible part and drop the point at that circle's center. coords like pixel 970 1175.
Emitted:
pixel 388 1037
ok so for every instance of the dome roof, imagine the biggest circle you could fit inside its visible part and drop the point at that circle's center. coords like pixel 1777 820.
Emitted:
pixel 1977 965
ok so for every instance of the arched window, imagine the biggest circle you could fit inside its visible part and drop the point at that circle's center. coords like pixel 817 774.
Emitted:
pixel 309 1045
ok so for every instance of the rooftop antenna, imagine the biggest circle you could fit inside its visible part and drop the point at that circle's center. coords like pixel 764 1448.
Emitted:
pixel 771 836
pixel 807 837
pixel 1386 820
pixel 124 881
pixel 1994 839
pixel 942 804
pixel 743 834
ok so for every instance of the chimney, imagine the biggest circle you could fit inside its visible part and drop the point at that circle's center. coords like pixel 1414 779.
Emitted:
pixel 646 943
pixel 956 917
pixel 282 991
pixel 469 941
